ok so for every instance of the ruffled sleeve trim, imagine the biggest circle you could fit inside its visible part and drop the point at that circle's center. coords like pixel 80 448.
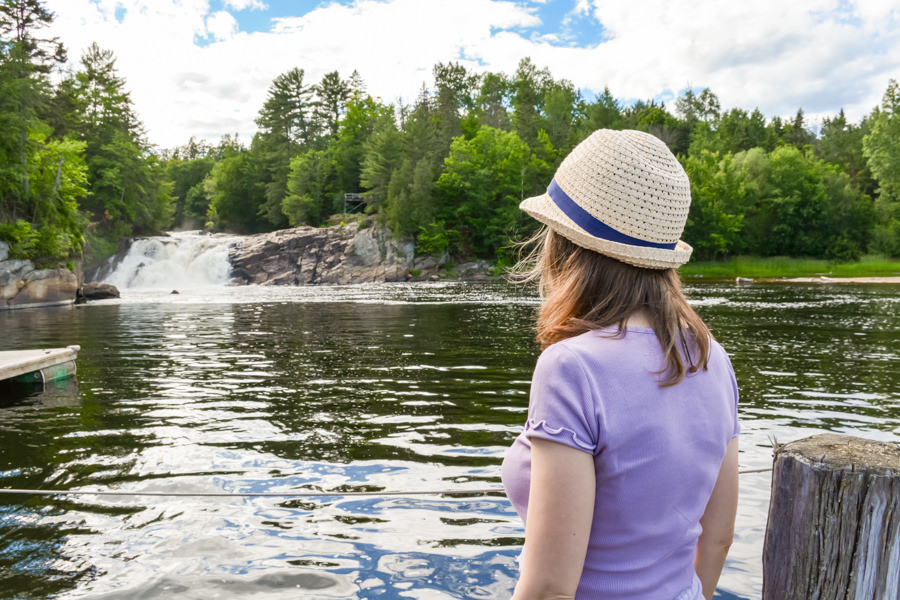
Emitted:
pixel 563 435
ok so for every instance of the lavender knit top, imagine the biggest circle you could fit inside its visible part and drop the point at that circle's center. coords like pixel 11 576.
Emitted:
pixel 657 452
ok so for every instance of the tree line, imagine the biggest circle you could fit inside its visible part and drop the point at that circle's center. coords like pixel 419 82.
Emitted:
pixel 449 168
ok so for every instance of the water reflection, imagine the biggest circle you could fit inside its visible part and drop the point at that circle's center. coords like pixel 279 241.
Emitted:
pixel 359 388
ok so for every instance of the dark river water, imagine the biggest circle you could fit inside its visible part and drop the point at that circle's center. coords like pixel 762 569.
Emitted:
pixel 383 388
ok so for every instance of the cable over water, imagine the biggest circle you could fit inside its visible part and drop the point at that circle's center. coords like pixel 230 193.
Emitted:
pixel 473 492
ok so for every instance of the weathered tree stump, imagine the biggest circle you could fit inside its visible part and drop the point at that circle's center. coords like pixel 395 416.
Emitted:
pixel 834 521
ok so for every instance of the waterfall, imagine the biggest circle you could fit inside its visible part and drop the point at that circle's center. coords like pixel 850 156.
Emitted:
pixel 186 259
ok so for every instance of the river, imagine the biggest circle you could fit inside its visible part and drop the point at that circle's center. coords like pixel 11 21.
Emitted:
pixel 376 388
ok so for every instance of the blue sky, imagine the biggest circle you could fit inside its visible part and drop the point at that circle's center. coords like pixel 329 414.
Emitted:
pixel 202 67
pixel 558 18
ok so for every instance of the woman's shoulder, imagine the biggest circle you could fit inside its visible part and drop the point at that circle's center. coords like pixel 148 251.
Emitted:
pixel 718 353
pixel 599 344
pixel 610 343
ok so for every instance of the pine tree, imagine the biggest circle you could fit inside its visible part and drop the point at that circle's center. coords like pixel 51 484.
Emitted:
pixel 492 100
pixel 288 127
pixel 883 157
pixel 333 93
pixel 356 85
pixel 128 194
pixel 26 60
pixel 382 155
pixel 455 88
pixel 529 85
pixel 288 114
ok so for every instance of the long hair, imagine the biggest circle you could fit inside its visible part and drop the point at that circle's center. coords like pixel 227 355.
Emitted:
pixel 583 290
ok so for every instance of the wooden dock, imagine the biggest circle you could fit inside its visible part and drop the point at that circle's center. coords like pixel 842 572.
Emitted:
pixel 38 365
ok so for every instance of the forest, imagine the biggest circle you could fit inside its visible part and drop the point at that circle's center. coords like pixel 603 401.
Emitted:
pixel 77 172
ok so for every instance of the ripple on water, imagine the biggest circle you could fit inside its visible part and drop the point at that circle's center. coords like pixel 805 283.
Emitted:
pixel 323 390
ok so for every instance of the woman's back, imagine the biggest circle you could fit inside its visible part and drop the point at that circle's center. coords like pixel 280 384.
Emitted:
pixel 626 473
pixel 656 450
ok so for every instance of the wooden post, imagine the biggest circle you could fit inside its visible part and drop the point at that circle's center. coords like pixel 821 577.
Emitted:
pixel 834 521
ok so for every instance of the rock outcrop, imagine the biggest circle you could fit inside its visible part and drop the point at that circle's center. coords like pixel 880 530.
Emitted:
pixel 23 286
pixel 304 255
pixel 96 290
pixel 340 255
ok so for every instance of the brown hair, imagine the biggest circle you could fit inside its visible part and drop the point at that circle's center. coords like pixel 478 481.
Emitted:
pixel 583 290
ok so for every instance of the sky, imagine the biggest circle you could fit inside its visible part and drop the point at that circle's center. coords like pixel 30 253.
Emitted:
pixel 202 68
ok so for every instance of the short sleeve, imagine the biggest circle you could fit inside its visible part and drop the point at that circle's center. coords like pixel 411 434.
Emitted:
pixel 561 406
pixel 734 390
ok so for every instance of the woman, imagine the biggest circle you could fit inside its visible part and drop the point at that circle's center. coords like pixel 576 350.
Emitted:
pixel 626 473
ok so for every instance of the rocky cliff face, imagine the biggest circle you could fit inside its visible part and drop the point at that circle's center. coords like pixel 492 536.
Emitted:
pixel 23 286
pixel 305 255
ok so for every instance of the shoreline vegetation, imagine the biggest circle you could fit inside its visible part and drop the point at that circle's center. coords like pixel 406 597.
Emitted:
pixel 869 269
pixel 446 170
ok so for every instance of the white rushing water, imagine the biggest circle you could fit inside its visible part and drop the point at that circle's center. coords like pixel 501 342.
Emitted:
pixel 185 259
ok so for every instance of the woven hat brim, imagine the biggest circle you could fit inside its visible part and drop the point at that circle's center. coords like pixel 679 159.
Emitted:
pixel 545 210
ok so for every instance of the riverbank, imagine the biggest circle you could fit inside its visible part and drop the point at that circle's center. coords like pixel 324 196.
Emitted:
pixel 875 269
pixel 833 280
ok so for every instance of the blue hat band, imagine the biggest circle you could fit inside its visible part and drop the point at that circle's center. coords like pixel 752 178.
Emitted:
pixel 594 226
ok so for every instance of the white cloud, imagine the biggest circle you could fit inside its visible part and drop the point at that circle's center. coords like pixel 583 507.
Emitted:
pixel 245 4
pixel 221 25
pixel 774 54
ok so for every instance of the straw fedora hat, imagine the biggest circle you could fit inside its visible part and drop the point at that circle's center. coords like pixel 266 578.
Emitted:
pixel 623 194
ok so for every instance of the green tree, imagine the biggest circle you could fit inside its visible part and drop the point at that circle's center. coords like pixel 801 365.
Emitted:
pixel 59 175
pixel 883 158
pixel 696 112
pixel 332 92
pixel 528 86
pixel 275 160
pixel 228 145
pixel 289 109
pixel 356 85
pixel 411 204
pixel 491 102
pixel 192 150
pixel 797 134
pixel 26 61
pixel 714 225
pixel 187 188
pixel 128 192
pixel 311 189
pixel 851 216
pixel 287 126
pixel 422 152
pixel 793 210
pixel 561 101
pixel 455 91
pixel 236 189
pixel 693 107
pixel 786 202
pixel 53 231
pixel 482 183
pixel 841 143
pixel 604 113
pixel 382 154
pixel 652 118
pixel 42 175
pixel 734 131
pixel 348 149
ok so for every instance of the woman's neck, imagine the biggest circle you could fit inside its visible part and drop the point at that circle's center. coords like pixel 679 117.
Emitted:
pixel 638 319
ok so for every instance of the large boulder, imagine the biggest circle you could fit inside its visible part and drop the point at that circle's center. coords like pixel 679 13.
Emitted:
pixel 23 286
pixel 95 290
